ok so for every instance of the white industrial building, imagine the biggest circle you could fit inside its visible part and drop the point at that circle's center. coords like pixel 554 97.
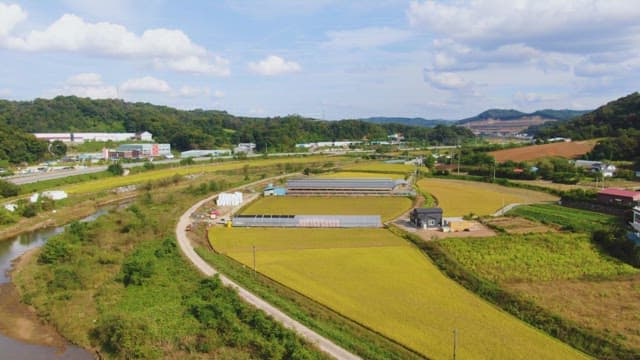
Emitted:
pixel 203 153
pixel 229 199
pixel 80 137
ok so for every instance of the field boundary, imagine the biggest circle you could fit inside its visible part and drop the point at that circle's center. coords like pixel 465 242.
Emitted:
pixel 413 351
pixel 534 315
pixel 324 344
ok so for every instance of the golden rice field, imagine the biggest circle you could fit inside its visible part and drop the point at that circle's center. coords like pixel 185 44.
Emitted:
pixel 386 284
pixel 377 166
pixel 153 175
pixel 459 198
pixel 360 175
pixel 387 207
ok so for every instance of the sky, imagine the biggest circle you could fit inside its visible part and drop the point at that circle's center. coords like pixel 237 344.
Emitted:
pixel 323 58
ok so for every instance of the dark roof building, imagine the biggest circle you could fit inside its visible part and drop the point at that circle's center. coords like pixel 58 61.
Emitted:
pixel 342 186
pixel 619 197
pixel 426 217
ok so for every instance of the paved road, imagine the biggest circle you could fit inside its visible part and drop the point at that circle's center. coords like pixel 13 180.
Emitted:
pixel 321 342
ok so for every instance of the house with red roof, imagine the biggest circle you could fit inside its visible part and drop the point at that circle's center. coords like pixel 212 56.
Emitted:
pixel 620 197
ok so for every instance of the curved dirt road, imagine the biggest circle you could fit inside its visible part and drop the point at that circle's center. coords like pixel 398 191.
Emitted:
pixel 321 342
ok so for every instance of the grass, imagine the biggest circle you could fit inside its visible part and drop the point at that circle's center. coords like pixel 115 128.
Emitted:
pixel 386 284
pixel 167 311
pixel 568 218
pixel 153 175
pixel 387 207
pixel 380 167
pixel 609 306
pixel 459 198
pixel 535 257
pixel 360 175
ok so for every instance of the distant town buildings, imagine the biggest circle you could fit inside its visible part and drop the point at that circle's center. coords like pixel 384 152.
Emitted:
pixel 81 137
pixel 245 148
pixel 328 144
pixel 137 151
pixel 607 170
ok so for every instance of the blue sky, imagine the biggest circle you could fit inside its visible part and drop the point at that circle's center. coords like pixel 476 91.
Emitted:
pixel 324 58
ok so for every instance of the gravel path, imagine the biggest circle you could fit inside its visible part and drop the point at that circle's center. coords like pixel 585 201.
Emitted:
pixel 186 247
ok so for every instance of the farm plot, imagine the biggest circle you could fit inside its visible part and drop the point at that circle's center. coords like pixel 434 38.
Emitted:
pixel 611 306
pixel 535 257
pixel 459 198
pixel 516 225
pixel 140 178
pixel 380 167
pixel 387 207
pixel 384 283
pixel 360 175
pixel 569 150
pixel 567 218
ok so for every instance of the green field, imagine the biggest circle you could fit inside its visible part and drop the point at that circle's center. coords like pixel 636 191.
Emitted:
pixel 459 198
pixel 360 175
pixel 568 218
pixel 380 167
pixel 387 207
pixel 385 283
pixel 535 257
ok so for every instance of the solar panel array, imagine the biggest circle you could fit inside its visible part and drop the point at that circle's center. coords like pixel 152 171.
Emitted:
pixel 350 184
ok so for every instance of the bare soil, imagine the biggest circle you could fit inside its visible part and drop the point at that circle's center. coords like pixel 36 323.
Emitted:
pixel 517 225
pixel 476 230
pixel 20 321
pixel 569 150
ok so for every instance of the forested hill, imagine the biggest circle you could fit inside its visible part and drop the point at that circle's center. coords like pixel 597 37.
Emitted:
pixel 200 128
pixel 408 121
pixel 618 122
pixel 612 119
pixel 510 114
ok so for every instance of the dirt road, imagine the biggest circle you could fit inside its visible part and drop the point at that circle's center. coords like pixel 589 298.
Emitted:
pixel 186 247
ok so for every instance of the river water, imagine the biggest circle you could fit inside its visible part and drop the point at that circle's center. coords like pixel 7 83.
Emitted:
pixel 10 250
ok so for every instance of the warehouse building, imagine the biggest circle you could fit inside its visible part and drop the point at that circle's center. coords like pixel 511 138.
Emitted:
pixel 426 218
pixel 308 221
pixel 619 197
pixel 137 151
pixel 345 187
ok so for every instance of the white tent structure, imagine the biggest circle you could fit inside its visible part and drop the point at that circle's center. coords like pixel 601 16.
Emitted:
pixel 229 199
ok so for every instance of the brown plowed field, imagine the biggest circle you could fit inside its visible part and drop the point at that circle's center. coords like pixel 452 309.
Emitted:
pixel 569 150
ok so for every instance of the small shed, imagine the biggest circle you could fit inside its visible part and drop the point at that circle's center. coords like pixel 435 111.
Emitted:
pixel 426 217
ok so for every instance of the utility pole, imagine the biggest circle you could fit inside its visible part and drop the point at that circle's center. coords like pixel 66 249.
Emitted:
pixel 459 155
pixel 254 260
pixel 494 170
pixel 455 343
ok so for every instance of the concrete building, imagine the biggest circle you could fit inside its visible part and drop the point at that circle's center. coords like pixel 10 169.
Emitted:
pixel 426 218
pixel 80 137
pixel 619 197
pixel 245 148
pixel 308 221
pixel 137 151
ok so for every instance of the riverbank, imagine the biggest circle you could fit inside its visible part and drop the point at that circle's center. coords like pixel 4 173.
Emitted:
pixel 61 216
pixel 20 321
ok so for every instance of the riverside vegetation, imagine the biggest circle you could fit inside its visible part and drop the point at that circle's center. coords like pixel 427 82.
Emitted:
pixel 119 285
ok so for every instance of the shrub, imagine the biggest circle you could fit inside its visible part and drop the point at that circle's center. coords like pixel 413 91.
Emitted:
pixel 116 169
pixel 56 250
pixel 137 269
pixel 8 189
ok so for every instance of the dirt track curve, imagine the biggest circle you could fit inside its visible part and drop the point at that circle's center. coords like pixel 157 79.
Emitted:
pixel 321 342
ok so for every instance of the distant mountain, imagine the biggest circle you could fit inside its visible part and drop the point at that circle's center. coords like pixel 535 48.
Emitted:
pixel 409 121
pixel 510 114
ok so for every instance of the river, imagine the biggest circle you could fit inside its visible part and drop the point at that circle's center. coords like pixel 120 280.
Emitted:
pixel 9 251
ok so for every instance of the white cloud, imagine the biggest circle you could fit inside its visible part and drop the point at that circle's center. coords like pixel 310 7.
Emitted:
pixel 10 16
pixel 446 80
pixel 4 92
pixel 145 84
pixel 188 91
pixel 197 65
pixel 548 24
pixel 169 48
pixel 86 85
pixel 85 79
pixel 218 94
pixel 274 65
pixel 365 38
